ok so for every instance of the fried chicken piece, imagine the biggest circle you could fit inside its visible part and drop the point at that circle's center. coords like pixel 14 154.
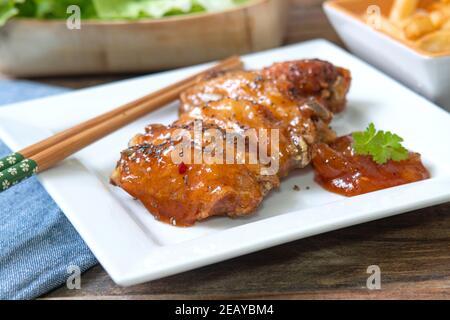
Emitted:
pixel 305 117
pixel 302 94
pixel 312 78
pixel 238 101
pixel 280 87
pixel 244 115
pixel 182 194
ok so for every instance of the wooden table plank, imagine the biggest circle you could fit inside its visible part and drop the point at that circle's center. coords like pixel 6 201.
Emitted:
pixel 412 250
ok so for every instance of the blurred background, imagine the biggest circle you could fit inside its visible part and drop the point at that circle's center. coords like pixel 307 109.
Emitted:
pixel 293 20
pixel 80 43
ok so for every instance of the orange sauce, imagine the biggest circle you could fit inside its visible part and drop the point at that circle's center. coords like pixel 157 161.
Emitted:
pixel 338 169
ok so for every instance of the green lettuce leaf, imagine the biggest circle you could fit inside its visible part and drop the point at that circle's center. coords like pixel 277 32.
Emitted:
pixel 217 5
pixel 8 10
pixel 134 9
pixel 57 9
pixel 109 9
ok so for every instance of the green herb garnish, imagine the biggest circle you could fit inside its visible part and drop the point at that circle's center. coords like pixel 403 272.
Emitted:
pixel 381 146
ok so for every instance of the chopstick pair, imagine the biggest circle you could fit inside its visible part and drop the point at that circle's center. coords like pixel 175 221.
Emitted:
pixel 43 155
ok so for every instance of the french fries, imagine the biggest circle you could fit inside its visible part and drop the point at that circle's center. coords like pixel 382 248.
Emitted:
pixel 440 6
pixel 435 42
pixel 438 18
pixel 424 24
pixel 388 27
pixel 446 25
pixel 418 26
pixel 402 9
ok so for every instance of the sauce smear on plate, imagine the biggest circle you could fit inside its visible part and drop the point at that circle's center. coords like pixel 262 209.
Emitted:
pixel 338 169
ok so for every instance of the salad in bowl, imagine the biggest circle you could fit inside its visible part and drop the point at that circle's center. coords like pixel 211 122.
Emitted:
pixel 110 9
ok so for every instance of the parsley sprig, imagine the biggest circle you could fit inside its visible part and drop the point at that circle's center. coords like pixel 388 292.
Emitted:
pixel 381 146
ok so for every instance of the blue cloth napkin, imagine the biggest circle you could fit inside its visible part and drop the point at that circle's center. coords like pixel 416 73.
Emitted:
pixel 37 242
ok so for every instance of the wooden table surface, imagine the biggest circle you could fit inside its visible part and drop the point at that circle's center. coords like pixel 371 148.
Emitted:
pixel 412 249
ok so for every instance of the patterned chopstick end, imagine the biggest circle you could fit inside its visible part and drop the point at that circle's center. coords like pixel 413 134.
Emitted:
pixel 10 160
pixel 15 173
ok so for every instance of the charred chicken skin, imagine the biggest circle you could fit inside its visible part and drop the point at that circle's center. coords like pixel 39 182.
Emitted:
pixel 278 87
pixel 294 98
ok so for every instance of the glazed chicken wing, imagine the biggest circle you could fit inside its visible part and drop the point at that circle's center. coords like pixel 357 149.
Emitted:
pixel 280 86
pixel 241 115
pixel 181 194
pixel 184 193
pixel 292 99
pixel 312 78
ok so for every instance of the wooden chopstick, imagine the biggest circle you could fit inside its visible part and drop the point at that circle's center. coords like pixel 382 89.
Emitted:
pixel 46 153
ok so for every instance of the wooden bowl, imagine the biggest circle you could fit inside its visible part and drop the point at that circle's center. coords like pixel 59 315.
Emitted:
pixel 30 47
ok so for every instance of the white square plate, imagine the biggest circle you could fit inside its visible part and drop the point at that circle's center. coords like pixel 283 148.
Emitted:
pixel 134 247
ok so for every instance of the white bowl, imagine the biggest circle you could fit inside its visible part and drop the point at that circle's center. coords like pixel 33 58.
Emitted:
pixel 427 74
